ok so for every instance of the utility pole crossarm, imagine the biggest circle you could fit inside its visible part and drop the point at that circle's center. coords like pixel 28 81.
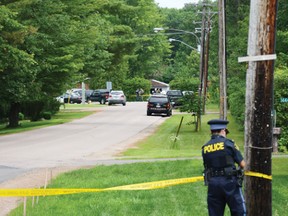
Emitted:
pixel 257 58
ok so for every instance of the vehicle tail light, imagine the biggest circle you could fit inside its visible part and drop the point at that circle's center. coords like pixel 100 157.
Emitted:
pixel 122 96
pixel 168 105
pixel 149 105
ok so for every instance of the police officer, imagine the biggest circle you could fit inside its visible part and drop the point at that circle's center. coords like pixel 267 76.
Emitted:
pixel 219 157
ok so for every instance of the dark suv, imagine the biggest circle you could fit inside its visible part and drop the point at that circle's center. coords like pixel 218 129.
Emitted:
pixel 159 103
pixel 175 97
pixel 99 95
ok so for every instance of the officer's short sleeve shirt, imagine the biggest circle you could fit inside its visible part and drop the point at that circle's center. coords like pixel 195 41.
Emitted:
pixel 214 152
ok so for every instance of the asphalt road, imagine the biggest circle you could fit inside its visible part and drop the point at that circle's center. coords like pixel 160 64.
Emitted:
pixel 84 141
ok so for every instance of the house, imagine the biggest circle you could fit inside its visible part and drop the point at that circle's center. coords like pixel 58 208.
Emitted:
pixel 157 86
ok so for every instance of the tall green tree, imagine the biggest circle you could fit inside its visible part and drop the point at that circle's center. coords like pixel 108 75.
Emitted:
pixel 57 46
pixel 17 73
pixel 150 50
pixel 180 24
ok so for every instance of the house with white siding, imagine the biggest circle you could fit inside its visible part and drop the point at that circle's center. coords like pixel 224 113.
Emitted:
pixel 159 87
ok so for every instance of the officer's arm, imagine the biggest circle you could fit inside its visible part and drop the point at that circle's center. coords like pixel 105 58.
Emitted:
pixel 239 156
pixel 242 164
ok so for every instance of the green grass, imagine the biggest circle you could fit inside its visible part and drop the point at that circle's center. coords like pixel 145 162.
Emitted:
pixel 280 186
pixel 187 199
pixel 164 144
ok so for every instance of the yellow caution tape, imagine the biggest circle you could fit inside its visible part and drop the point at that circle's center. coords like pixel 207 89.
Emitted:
pixel 141 186
pixel 157 184
pixel 256 174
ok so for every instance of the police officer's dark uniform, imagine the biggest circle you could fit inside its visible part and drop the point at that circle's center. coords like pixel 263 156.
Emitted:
pixel 219 157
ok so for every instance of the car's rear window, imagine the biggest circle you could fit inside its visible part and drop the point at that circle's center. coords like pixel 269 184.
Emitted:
pixel 116 92
pixel 174 93
pixel 158 99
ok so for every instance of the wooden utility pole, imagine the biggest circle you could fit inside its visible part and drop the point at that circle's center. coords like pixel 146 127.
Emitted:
pixel 222 59
pixel 201 71
pixel 259 103
pixel 206 61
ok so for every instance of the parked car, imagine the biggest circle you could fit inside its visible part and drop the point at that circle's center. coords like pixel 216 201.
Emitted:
pixel 99 95
pixel 60 99
pixel 160 104
pixel 117 97
pixel 72 97
pixel 88 92
pixel 175 97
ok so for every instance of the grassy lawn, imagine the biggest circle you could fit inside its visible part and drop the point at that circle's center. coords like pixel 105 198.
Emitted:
pixel 186 199
pixel 164 143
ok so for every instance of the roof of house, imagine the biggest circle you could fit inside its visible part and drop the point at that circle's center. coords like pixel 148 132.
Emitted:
pixel 156 83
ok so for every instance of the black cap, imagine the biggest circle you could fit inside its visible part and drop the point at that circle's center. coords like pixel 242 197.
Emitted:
pixel 218 124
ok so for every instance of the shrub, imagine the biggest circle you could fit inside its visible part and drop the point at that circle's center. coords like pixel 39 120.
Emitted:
pixel 21 116
pixel 47 115
pixel 185 84
pixel 281 107
pixel 131 85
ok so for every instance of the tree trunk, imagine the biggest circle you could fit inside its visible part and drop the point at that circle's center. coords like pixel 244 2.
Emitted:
pixel 14 115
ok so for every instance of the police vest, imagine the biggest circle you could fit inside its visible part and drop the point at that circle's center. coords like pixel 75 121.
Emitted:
pixel 216 154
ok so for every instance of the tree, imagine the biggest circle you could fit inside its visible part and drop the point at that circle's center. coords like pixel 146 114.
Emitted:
pixel 280 105
pixel 17 79
pixel 131 85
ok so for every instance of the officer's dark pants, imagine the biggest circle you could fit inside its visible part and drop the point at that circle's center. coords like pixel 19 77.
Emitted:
pixel 222 190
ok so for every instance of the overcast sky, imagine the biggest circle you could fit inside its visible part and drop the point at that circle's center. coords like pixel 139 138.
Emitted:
pixel 174 3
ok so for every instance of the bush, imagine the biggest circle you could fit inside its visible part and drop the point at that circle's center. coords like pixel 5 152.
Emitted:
pixel 185 84
pixel 190 103
pixel 52 105
pixel 281 107
pixel 47 115
pixel 236 100
pixel 32 109
pixel 21 116
pixel 133 97
pixel 131 85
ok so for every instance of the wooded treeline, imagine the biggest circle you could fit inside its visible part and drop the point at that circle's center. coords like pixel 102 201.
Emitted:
pixel 47 46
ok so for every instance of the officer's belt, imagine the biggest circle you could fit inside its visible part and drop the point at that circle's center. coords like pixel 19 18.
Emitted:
pixel 222 172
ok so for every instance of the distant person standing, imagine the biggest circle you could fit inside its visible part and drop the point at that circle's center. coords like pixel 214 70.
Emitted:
pixel 223 179
pixel 139 93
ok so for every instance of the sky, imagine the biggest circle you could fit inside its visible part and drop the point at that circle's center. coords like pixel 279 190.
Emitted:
pixel 174 3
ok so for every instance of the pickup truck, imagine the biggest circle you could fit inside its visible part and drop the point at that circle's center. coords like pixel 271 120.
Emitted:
pixel 175 96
